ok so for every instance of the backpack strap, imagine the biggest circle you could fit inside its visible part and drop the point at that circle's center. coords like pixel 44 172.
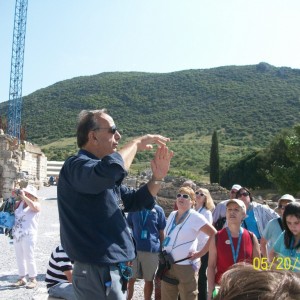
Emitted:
pixel 280 223
pixel 251 236
pixel 245 225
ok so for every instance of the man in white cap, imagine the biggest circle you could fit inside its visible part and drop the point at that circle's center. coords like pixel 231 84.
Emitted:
pixel 219 214
pixel 274 228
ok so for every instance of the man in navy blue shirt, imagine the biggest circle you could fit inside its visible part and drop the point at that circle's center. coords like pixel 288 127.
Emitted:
pixel 148 231
pixel 94 232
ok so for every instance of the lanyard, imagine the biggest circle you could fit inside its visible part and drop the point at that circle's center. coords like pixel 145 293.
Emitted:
pixel 199 210
pixel 182 217
pixel 293 249
pixel 174 221
pixel 235 254
pixel 144 217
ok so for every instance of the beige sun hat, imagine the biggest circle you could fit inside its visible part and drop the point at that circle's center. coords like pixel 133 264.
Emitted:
pixel 240 203
pixel 287 197
pixel 30 189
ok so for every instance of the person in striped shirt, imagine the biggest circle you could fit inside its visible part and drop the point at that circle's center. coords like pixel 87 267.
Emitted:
pixel 59 275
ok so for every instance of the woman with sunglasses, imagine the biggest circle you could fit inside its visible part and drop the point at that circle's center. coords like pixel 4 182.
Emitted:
pixel 287 246
pixel 258 215
pixel 275 227
pixel 232 244
pixel 204 205
pixel 181 232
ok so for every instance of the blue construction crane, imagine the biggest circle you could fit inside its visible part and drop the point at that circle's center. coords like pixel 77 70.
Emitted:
pixel 16 72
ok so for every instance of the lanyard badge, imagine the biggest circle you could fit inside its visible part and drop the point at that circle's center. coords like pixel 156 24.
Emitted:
pixel 144 216
pixel 144 234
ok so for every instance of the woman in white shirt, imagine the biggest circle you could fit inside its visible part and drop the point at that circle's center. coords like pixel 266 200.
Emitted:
pixel 205 206
pixel 181 232
pixel 25 235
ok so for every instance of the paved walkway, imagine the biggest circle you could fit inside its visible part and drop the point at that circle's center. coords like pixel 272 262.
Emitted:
pixel 48 239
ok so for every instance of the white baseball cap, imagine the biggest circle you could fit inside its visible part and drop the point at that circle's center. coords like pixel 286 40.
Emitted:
pixel 236 187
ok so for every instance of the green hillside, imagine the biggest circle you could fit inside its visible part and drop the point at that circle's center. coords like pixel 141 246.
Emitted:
pixel 248 105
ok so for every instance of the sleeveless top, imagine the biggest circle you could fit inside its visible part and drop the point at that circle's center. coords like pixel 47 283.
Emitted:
pixel 224 252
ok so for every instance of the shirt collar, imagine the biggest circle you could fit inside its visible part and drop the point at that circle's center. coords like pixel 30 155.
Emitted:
pixel 87 153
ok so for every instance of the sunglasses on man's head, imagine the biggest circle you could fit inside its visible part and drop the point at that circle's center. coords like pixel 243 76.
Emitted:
pixel 199 193
pixel 185 196
pixel 113 129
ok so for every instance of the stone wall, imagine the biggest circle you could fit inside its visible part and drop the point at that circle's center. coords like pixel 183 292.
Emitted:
pixel 20 164
pixel 167 195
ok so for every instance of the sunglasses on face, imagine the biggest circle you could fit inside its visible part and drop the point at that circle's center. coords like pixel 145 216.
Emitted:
pixel 199 193
pixel 245 194
pixel 113 129
pixel 233 192
pixel 281 206
pixel 185 196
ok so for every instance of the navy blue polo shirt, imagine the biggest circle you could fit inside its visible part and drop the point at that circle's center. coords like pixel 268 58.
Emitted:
pixel 150 221
pixel 93 229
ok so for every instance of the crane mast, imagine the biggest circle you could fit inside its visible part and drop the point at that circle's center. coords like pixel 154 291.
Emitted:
pixel 16 72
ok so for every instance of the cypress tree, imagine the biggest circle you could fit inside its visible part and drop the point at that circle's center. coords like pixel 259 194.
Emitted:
pixel 214 159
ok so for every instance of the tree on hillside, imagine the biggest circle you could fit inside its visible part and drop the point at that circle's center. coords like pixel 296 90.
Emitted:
pixel 286 175
pixel 276 166
pixel 214 159
pixel 250 171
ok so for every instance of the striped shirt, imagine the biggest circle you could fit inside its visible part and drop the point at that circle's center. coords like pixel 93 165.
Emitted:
pixel 58 263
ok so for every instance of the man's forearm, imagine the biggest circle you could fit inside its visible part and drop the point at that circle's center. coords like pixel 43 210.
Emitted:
pixel 128 153
pixel 154 185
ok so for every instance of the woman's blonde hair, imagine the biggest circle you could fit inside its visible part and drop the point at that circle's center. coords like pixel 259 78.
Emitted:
pixel 190 192
pixel 209 202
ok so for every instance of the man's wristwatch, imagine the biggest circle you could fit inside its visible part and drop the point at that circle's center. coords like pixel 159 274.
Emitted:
pixel 157 181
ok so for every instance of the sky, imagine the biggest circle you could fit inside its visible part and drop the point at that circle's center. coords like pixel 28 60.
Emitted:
pixel 70 38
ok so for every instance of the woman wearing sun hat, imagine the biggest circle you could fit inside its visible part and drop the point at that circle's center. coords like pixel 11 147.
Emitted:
pixel 25 235
pixel 232 244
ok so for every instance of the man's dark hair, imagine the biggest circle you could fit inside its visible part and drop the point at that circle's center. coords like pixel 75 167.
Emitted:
pixel 87 121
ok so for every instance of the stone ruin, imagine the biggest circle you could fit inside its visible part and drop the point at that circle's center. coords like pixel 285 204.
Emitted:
pixel 20 164
pixel 167 194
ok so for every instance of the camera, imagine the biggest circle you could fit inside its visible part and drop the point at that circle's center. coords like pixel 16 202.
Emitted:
pixel 166 259
pixel 165 262
pixel 17 192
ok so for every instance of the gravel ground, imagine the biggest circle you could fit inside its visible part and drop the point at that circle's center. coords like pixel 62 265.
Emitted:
pixel 48 239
